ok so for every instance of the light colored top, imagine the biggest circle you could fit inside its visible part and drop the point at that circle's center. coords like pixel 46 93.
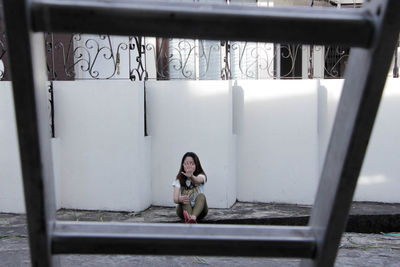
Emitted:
pixel 191 191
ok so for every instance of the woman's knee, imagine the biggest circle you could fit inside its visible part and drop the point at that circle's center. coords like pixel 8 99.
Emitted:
pixel 201 197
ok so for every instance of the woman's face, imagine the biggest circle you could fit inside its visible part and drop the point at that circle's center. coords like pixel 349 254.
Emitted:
pixel 189 165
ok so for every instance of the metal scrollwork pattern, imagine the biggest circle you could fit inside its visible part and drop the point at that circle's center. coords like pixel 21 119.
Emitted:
pixel 259 60
pixel 210 59
pixel 226 70
pixel 185 59
pixel 292 55
pixel 104 53
pixel 138 72
pixel 77 56
pixel 161 56
pixel 3 51
pixel 335 61
pixel 94 57
pixel 182 59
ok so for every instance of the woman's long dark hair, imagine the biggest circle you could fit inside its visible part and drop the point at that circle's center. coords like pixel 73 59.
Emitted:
pixel 197 171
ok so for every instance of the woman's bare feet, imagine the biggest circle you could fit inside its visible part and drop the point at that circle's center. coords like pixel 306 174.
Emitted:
pixel 186 216
pixel 192 219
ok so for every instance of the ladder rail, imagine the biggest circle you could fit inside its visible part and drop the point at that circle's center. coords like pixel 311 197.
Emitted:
pixel 365 79
pixel 29 82
pixel 352 27
pixel 374 29
pixel 175 239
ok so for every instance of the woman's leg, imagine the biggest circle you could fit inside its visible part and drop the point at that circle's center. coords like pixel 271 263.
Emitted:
pixel 204 211
pixel 181 207
pixel 200 208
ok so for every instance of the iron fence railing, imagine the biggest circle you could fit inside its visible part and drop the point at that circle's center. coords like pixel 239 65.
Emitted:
pixel 3 57
pixel 77 56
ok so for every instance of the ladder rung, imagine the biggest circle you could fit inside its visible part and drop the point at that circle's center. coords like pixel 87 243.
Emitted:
pixel 180 239
pixel 205 21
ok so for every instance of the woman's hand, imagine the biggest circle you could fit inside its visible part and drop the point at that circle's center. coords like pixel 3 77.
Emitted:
pixel 184 199
pixel 188 174
pixel 180 199
pixel 189 170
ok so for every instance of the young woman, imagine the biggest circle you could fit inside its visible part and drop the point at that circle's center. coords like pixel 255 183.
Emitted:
pixel 189 189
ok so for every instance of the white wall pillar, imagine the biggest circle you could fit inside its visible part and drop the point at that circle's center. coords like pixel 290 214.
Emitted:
pixel 11 186
pixel 102 148
pixel 191 116
pixel 277 141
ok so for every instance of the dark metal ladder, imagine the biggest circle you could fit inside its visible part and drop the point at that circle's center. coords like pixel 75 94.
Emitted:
pixel 372 31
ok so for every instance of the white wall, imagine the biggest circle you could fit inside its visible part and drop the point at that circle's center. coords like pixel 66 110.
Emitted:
pixel 380 175
pixel 277 141
pixel 257 140
pixel 379 179
pixel 11 190
pixel 102 148
pixel 191 116
pixel 55 150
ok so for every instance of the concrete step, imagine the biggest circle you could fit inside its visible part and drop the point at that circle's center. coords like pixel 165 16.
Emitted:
pixel 365 217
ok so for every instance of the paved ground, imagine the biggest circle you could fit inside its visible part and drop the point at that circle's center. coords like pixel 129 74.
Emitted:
pixel 364 248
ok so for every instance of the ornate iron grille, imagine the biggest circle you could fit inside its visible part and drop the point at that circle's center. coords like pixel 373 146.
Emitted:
pixel 3 57
pixel 335 61
pixel 77 57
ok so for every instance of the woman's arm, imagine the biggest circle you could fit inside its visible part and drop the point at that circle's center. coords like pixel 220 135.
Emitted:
pixel 199 179
pixel 177 199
